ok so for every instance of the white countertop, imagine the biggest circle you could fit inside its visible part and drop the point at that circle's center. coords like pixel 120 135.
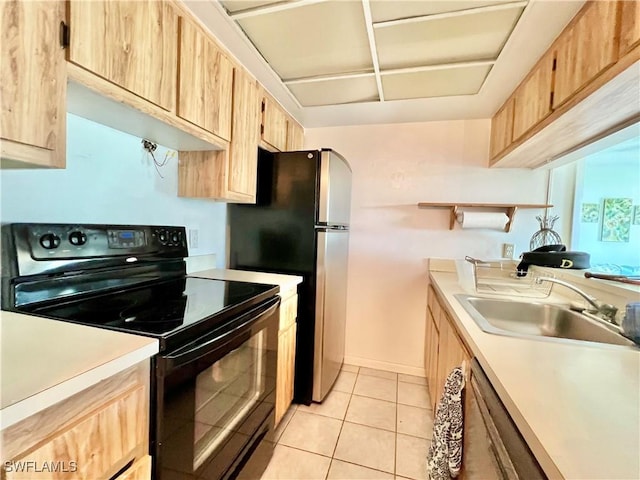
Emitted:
pixel 576 405
pixel 44 361
pixel 285 282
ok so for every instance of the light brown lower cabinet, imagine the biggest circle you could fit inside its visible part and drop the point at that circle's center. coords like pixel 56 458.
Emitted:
pixel 286 355
pixel 444 349
pixel 140 470
pixel 443 352
pixel 94 434
pixel 431 341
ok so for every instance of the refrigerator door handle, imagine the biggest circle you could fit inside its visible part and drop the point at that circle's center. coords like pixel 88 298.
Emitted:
pixel 325 189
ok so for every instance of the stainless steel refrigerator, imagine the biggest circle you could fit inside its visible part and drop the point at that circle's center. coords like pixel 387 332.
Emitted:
pixel 300 225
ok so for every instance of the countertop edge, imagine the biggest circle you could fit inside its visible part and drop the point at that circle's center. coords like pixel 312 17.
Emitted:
pixel 285 281
pixel 18 411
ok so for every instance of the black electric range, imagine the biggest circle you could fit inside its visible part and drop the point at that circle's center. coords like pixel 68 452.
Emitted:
pixel 173 311
pixel 218 339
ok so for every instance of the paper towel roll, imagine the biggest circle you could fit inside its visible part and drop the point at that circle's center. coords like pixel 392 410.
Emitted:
pixel 491 220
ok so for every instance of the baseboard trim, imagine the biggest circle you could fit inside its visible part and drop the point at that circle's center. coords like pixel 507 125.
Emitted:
pixel 388 366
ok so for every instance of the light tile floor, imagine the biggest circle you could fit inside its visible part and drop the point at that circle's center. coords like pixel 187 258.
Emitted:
pixel 373 425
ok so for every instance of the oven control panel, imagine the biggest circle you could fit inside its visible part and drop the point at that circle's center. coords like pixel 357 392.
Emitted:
pixel 56 241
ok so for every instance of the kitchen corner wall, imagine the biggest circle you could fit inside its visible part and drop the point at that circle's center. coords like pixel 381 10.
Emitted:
pixel 110 179
pixel 394 167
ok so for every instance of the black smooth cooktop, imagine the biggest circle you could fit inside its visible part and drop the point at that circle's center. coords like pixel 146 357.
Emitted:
pixel 163 309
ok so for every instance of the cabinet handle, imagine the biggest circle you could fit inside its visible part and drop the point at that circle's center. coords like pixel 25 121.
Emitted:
pixel 64 35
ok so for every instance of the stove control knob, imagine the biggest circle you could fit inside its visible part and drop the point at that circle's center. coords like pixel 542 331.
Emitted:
pixel 50 241
pixel 77 238
pixel 163 236
pixel 175 238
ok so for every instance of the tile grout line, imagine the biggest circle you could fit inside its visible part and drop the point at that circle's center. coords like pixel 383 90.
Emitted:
pixel 343 421
pixel 342 425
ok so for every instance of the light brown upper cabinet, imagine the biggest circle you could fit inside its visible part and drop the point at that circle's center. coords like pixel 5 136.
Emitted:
pixel 274 124
pixel 502 128
pixel 228 175
pixel 585 48
pixel 34 84
pixel 132 44
pixel 205 81
pixel 588 80
pixel 243 150
pixel 533 97
pixel 295 136
pixel 629 25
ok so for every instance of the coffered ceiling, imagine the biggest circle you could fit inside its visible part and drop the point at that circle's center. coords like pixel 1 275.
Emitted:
pixel 337 52
pixel 336 62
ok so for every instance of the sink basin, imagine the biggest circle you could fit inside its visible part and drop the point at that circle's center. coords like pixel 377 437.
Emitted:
pixel 537 320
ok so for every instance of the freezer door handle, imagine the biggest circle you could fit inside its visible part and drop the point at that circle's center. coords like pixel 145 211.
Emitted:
pixel 334 195
pixel 332 228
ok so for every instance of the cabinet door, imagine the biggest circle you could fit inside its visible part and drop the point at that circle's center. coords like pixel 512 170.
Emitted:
pixel 243 150
pixel 502 128
pixel 205 84
pixel 431 357
pixel 295 136
pixel 286 368
pixel 97 443
pixel 533 97
pixel 132 44
pixel 274 124
pixel 34 84
pixel 585 49
pixel 629 25
pixel 451 353
pixel 288 311
pixel 140 470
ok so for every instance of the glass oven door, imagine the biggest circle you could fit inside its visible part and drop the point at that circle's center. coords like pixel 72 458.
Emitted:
pixel 216 398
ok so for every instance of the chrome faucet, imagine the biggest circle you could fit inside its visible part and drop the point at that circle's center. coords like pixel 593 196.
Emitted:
pixel 603 310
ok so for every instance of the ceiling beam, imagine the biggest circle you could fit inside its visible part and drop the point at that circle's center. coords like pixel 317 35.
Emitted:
pixel 458 13
pixel 326 78
pixel 368 21
pixel 440 66
pixel 272 8
pixel 394 71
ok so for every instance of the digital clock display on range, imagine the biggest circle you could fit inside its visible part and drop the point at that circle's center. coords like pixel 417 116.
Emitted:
pixel 126 238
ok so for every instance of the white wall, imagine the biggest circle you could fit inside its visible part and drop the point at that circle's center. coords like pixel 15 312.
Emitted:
pixel 396 166
pixel 110 179
pixel 600 177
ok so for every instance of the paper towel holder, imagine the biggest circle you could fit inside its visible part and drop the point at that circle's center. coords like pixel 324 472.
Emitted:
pixel 508 209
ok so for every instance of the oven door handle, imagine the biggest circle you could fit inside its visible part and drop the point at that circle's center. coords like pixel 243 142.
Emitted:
pixel 202 349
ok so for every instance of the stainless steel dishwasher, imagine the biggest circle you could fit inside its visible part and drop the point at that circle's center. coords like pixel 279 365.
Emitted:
pixel 493 446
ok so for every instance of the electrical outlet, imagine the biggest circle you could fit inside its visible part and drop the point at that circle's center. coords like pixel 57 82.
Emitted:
pixel 193 238
pixel 507 250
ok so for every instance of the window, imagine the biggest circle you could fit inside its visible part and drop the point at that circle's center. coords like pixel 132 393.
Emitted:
pixel 600 191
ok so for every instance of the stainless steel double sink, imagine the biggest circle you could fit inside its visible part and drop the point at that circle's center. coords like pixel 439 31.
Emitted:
pixel 538 320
